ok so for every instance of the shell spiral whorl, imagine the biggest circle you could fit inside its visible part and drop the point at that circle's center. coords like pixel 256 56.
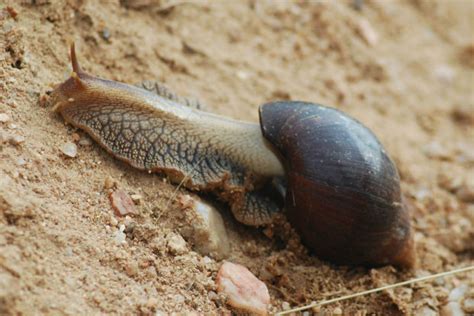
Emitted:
pixel 343 193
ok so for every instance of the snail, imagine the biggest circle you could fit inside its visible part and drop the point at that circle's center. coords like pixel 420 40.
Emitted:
pixel 342 190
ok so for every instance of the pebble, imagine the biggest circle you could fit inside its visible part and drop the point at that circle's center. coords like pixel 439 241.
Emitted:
pixel 435 150
pixel 213 296
pixel 425 311
pixel 367 32
pixel 337 311
pixel 110 183
pixel 16 139
pixel 179 299
pixel 120 235
pixel 204 227
pixel 243 290
pixel 105 33
pixel 69 149
pixel 285 306
pixel 137 198
pixel 122 203
pixel 85 142
pixel 452 309
pixel 176 244
pixel 113 221
pixel 457 293
pixel 468 305
pixel 466 193
pixel 444 73
pixel 131 269
pixel 20 161
pixel 242 75
pixel 4 118
pixel 449 182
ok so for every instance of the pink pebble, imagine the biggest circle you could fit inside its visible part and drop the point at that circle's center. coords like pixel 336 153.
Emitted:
pixel 244 291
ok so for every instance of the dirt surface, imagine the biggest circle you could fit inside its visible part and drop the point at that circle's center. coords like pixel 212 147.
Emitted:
pixel 405 69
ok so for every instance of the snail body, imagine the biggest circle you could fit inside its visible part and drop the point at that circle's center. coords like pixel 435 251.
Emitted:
pixel 343 194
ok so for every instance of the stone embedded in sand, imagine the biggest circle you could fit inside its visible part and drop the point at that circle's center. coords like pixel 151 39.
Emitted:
pixel 367 32
pixel 122 203
pixel 243 290
pixel 435 150
pixel 120 236
pixel 452 309
pixel 4 118
pixel 15 139
pixel 137 198
pixel 456 296
pixel 176 244
pixel 468 305
pixel 69 149
pixel 204 227
pixel 110 183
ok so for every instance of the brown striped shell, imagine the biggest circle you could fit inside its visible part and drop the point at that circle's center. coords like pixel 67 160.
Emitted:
pixel 343 193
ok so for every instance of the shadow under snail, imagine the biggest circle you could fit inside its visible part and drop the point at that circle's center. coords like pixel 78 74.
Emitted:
pixel 342 190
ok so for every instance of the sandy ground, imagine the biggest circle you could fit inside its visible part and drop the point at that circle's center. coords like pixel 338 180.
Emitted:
pixel 403 68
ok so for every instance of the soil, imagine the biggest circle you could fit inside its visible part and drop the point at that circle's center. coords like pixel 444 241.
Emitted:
pixel 405 69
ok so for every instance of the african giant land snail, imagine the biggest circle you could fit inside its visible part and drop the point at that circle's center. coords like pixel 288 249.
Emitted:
pixel 343 193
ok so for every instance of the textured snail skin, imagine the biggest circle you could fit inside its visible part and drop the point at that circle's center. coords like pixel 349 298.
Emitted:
pixel 150 132
pixel 343 194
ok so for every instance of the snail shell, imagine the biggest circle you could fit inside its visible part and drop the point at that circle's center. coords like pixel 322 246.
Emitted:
pixel 343 195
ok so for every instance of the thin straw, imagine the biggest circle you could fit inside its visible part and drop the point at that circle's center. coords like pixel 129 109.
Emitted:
pixel 379 289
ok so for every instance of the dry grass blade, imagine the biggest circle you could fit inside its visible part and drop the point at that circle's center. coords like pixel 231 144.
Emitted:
pixel 379 289
pixel 185 178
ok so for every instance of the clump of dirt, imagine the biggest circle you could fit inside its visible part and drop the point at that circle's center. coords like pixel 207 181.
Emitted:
pixel 403 68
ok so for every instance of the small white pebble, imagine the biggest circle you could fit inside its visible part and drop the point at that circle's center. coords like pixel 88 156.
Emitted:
pixel 113 221
pixel 285 306
pixel 16 139
pixel 444 73
pixel 452 309
pixel 4 118
pixel 436 150
pixel 136 198
pixel 85 142
pixel 20 161
pixel 468 305
pixel 120 235
pixel 337 311
pixel 367 32
pixel 242 75
pixel 69 149
pixel 457 293
pixel 176 244
pixel 425 311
